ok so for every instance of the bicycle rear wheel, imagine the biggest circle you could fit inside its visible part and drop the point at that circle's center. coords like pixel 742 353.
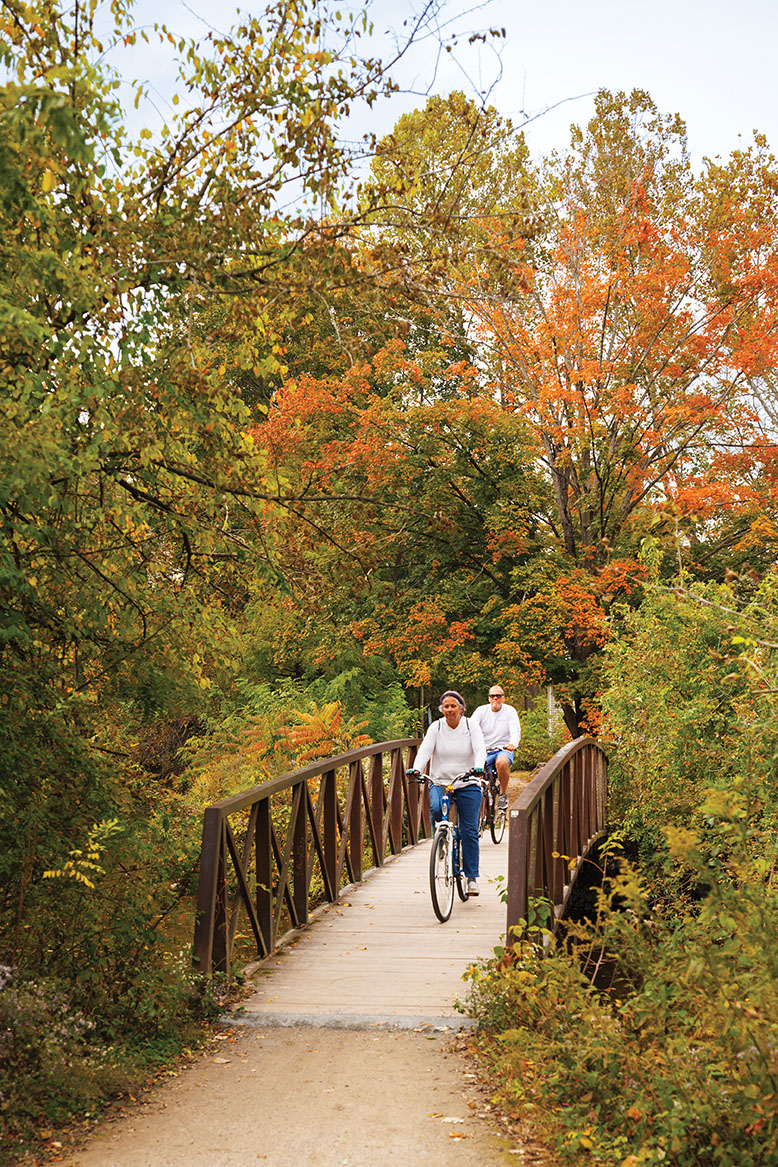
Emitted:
pixel 441 876
pixel 497 823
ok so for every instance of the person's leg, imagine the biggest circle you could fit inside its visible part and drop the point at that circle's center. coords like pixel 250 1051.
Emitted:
pixel 503 767
pixel 436 809
pixel 468 805
pixel 491 757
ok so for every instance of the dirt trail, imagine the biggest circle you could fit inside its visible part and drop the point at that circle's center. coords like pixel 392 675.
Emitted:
pixel 284 1096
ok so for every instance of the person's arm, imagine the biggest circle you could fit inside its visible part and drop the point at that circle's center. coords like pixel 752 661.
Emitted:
pixel 426 748
pixel 478 745
pixel 514 729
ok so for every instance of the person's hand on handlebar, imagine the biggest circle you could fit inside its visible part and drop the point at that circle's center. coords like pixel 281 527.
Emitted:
pixel 478 771
pixel 412 773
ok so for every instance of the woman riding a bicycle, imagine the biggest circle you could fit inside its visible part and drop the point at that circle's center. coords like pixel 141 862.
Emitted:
pixel 451 746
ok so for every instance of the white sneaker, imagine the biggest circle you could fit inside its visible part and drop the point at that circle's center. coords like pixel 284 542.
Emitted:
pixel 502 802
pixel 473 888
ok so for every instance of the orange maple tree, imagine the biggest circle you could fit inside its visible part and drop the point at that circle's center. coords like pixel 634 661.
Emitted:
pixel 583 367
pixel 632 335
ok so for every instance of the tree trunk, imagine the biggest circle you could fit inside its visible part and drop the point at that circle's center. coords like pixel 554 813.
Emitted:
pixel 572 716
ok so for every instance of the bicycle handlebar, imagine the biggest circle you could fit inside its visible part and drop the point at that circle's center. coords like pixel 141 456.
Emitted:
pixel 462 779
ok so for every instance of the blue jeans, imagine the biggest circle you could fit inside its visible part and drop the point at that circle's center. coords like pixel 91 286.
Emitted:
pixel 468 800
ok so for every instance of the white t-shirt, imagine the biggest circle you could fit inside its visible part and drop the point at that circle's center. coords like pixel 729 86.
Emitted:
pixel 498 726
pixel 451 752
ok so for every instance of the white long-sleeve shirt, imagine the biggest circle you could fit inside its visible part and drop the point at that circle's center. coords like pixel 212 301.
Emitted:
pixel 450 752
pixel 498 726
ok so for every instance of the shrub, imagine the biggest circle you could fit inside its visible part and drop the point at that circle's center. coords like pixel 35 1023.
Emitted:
pixel 49 1069
pixel 674 1060
pixel 54 1064
pixel 683 711
pixel 540 739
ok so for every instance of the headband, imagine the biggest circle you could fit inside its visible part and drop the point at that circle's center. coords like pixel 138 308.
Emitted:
pixel 457 697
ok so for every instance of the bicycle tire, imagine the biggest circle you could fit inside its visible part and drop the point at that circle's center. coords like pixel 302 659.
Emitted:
pixel 459 875
pixel 497 824
pixel 483 814
pixel 441 876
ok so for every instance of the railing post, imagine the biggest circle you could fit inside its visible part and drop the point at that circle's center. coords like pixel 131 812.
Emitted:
pixel 412 790
pixel 355 819
pixel 575 798
pixel 221 947
pixel 548 840
pixel 300 855
pixel 425 816
pixel 330 832
pixel 591 792
pixel 264 866
pixel 535 844
pixel 396 803
pixel 377 806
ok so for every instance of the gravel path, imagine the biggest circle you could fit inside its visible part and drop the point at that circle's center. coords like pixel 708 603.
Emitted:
pixel 287 1096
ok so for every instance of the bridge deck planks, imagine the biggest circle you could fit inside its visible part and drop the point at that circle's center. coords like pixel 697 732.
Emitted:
pixel 380 954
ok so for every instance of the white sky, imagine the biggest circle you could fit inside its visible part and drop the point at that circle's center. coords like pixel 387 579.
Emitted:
pixel 712 61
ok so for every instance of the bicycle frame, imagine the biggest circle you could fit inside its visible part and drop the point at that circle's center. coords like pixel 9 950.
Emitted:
pixel 449 824
pixel 492 817
pixel 446 873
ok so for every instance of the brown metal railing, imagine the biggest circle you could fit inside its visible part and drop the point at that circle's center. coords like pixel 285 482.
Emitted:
pixel 317 821
pixel 555 821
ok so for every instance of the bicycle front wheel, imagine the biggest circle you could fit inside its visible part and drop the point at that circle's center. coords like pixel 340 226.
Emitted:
pixel 441 876
pixel 484 816
pixel 462 891
pixel 459 875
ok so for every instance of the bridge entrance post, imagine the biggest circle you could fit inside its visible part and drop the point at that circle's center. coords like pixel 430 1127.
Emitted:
pixel 210 915
pixel 517 873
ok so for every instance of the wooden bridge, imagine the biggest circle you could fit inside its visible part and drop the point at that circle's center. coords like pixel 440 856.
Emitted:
pixel 374 961
pixel 302 844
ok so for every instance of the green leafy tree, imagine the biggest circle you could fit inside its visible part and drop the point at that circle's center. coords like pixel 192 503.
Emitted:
pixel 135 505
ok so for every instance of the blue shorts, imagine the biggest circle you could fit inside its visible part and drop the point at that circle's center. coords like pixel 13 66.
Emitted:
pixel 492 754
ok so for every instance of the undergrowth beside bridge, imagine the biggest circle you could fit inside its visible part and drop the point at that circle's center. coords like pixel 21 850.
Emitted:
pixel 648 1034
pixel 675 1062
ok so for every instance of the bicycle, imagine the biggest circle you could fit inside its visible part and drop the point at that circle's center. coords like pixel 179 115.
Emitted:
pixel 446 872
pixel 491 812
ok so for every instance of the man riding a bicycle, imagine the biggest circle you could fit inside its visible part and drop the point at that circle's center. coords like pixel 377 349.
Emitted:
pixel 452 746
pixel 500 726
